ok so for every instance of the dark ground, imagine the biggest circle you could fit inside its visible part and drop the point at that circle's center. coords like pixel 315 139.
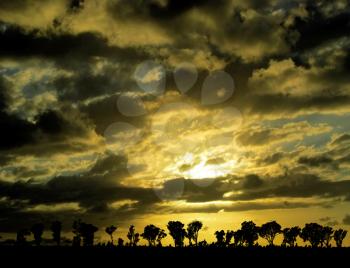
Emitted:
pixel 180 257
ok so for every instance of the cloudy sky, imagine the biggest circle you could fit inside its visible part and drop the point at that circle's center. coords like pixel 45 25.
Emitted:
pixel 134 112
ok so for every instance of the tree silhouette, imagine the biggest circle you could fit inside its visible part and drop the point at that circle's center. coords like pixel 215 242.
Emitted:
pixel 133 237
pixel 160 236
pixel 177 232
pixel 153 234
pixel 110 230
pixel 269 231
pixel 238 237
pixel 228 237
pixel 249 233
pixel 327 235
pixel 77 233
pixel 312 232
pixel 223 239
pixel 193 229
pixel 21 237
pixel 56 228
pixel 290 236
pixel 88 232
pixel 339 236
pixel 85 231
pixel 37 230
pixel 220 238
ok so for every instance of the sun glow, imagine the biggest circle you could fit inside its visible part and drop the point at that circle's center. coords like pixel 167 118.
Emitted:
pixel 206 170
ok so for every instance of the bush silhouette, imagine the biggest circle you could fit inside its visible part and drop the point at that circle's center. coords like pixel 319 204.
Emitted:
pixel 120 242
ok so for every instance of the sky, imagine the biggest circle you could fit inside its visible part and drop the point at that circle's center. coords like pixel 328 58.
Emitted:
pixel 137 112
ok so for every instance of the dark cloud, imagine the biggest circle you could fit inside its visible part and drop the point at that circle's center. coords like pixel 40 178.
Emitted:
pixel 105 112
pixel 253 187
pixel 51 131
pixel 92 190
pixel 86 85
pixel 174 8
pixel 259 137
pixel 239 206
pixel 317 161
pixel 65 48
pixel 272 159
pixel 319 28
pixel 15 131
pixel 157 10
pixel 252 182
pixel 286 105
pixel 76 5
pixel 26 172
pixel 301 185
pixel 49 126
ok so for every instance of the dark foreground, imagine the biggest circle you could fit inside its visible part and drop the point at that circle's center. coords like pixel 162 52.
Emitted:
pixel 180 257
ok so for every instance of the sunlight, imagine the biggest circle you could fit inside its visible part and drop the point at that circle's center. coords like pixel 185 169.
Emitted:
pixel 203 170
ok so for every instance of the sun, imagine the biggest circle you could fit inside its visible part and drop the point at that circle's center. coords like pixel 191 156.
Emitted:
pixel 204 169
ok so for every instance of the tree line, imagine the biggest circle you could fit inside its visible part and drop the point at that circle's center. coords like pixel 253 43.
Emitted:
pixel 313 234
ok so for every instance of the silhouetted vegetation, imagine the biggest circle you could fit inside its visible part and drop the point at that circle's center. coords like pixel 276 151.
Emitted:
pixel 56 228
pixel 339 236
pixel 193 229
pixel 110 230
pixel 37 230
pixel 290 236
pixel 177 232
pixel 21 237
pixel 133 237
pixel 153 235
pixel 249 233
pixel 269 231
pixel 85 232
pixel 220 238
pixel 313 234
